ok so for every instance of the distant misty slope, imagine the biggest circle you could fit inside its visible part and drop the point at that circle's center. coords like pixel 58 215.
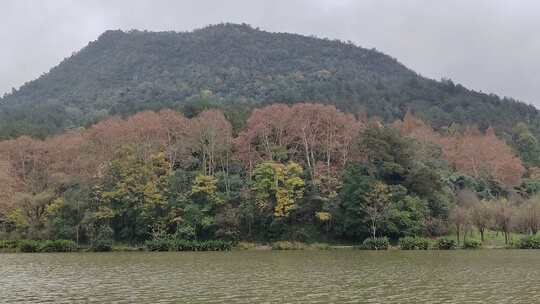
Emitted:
pixel 238 66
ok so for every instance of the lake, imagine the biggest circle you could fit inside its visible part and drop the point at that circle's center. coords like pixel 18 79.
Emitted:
pixel 338 276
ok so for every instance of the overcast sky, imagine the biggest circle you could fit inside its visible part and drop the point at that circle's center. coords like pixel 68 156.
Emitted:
pixel 492 46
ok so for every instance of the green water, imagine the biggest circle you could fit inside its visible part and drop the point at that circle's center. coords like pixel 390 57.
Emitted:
pixel 340 276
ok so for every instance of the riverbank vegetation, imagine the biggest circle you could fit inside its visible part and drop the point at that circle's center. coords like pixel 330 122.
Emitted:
pixel 37 246
pixel 301 173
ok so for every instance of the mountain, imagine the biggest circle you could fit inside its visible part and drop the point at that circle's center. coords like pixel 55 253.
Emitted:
pixel 237 66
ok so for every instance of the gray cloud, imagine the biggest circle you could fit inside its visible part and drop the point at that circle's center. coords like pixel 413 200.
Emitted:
pixel 487 45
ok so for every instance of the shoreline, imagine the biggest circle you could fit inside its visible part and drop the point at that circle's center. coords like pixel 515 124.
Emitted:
pixel 261 247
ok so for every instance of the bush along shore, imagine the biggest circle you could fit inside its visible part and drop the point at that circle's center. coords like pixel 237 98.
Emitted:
pixel 187 245
pixel 445 243
pixel 173 244
pixel 37 246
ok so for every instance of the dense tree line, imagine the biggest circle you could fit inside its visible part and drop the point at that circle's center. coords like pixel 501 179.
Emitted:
pixel 303 172
pixel 239 67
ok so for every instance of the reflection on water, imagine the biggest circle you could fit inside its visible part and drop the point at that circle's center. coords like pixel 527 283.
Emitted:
pixel 342 276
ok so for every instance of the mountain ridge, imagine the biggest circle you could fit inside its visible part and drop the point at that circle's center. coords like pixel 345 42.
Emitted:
pixel 121 73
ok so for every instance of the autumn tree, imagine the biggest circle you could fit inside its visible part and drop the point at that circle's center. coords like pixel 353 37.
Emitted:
pixel 278 187
pixel 470 151
pixel 528 216
pixel 267 135
pixel 29 161
pixel 149 132
pixel 504 215
pixel 175 137
pixel 143 130
pixel 483 155
pixel 213 137
pixel 306 132
pixel 416 128
pixel 104 139
pixel 482 217
pixel 7 191
pixel 34 209
pixel 324 134
pixel 133 190
pixel 199 213
pixel 459 217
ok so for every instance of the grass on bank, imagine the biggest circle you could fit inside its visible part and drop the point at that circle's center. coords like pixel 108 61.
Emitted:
pixel 492 240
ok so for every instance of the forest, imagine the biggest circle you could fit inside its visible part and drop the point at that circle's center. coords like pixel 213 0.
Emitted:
pixel 230 133
pixel 238 68
pixel 305 172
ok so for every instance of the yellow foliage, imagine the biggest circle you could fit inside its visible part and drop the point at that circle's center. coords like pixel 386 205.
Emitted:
pixel 281 183
pixel 17 216
pixel 290 188
pixel 55 206
pixel 323 216
pixel 204 184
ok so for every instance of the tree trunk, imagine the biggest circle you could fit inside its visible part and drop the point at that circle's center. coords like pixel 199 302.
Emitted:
pixel 77 235
pixel 373 229
pixel 481 234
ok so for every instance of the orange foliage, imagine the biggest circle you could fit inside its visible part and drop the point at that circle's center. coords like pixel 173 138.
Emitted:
pixel 34 165
pixel 470 152
pixel 266 130
pixel 7 186
pixel 416 128
pixel 306 132
pixel 480 155
pixel 147 132
pixel 212 134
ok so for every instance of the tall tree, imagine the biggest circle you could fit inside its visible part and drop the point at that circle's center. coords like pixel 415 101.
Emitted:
pixel 213 134
pixel 482 217
pixel 278 187
pixel 377 205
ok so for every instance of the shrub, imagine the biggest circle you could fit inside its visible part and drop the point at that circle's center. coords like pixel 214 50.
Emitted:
pixel 170 244
pixel 28 246
pixel 446 244
pixel 182 245
pixel 528 242
pixel 472 244
pixel 185 232
pixel 218 245
pixel 9 244
pixel 57 246
pixel 39 246
pixel 380 243
pixel 414 243
pixel 102 239
pixel 210 245
pixel 287 245
pixel 102 245
pixel 157 245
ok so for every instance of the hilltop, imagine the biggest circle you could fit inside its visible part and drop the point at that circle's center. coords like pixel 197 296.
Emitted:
pixel 240 67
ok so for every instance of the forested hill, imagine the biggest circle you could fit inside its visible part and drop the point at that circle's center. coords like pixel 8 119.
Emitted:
pixel 238 67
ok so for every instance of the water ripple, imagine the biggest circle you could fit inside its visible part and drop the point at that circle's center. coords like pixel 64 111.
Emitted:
pixel 342 276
